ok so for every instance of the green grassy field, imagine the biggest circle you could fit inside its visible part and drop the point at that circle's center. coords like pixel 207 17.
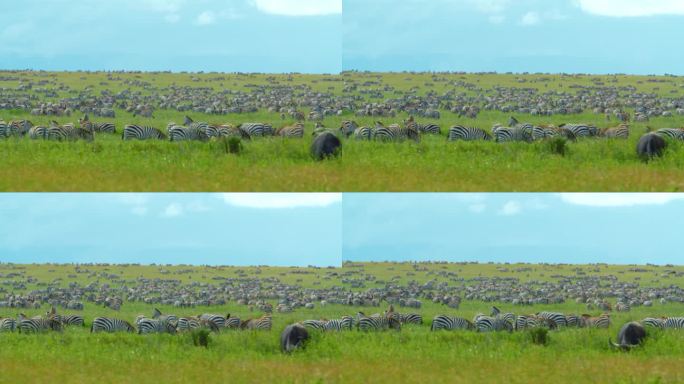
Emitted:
pixel 412 355
pixel 273 164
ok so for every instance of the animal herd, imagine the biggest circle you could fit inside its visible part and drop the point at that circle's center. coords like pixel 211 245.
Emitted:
pixel 295 335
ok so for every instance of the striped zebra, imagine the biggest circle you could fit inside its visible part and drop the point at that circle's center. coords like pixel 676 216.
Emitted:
pixel 556 318
pixel 37 324
pixel 671 133
pixel 264 322
pixel 459 132
pixel 602 321
pixel 147 326
pixel 619 132
pixel 227 130
pixel 85 123
pixel 488 324
pixel 622 307
pixel 581 130
pixel 232 322
pixel 450 323
pixel 552 131
pixel 410 318
pixel 508 134
pixel 7 325
pixel 137 132
pixel 4 129
pixel 343 323
pixel 429 129
pixel 653 322
pixel 156 314
pixel 572 320
pixel 218 320
pixel 348 128
pixel 107 324
pixel 296 130
pixel 364 133
pixel 674 323
pixel 190 323
pixel 18 128
pixel 395 133
pixel 68 132
pixel 181 133
pixel 38 132
pixel 317 325
pixel 378 323
pixel 533 321
pixel 256 129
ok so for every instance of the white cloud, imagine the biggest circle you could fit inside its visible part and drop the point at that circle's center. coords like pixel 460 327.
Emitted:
pixel 511 208
pixel 619 199
pixel 206 18
pixel 281 200
pixel 299 7
pixel 530 18
pixel 173 210
pixel 632 8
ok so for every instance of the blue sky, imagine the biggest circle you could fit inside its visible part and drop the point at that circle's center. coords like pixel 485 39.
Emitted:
pixel 588 36
pixel 192 35
pixel 514 227
pixel 177 228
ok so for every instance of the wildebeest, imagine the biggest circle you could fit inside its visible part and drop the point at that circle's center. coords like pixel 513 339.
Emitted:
pixel 293 337
pixel 325 145
pixel 630 335
pixel 650 145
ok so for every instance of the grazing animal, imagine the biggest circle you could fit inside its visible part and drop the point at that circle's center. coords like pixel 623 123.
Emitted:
pixel 619 132
pixel 325 145
pixel 459 132
pixel 8 325
pixel 147 326
pixel 38 132
pixel 296 130
pixel 294 336
pixel 37 324
pixel 671 133
pixel 264 322
pixel 232 322
pixel 85 123
pixel 488 324
pixel 629 336
pixel 348 127
pixel 68 132
pixel 450 323
pixel 602 321
pixel 674 323
pixel 650 145
pixel 580 130
pixel 107 324
pixel 556 318
pixel 654 322
pixel 378 322
pixel 137 132
pixel 364 133
pixel 256 129
pixel 395 133
pixel 507 134
pixel 227 130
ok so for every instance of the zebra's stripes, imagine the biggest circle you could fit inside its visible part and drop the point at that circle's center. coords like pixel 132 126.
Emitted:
pixel 508 134
pixel 137 132
pixel 459 132
pixel 671 133
pixel 68 132
pixel 490 324
pixel 556 318
pixel 348 128
pixel 377 322
pixel 363 133
pixel 194 132
pixel 8 325
pixel 395 133
pixel 296 131
pixel 450 323
pixel 653 322
pixel 430 129
pixel 602 321
pixel 622 307
pixel 581 130
pixel 147 326
pixel 4 129
pixel 317 325
pixel 37 324
pixel 18 128
pixel 256 129
pixel 341 324
pixel 97 127
pixel 106 324
pixel 410 318
pixel 619 132
pixel 674 323
pixel 217 320
pixel 38 132
pixel 232 322
pixel 264 322
pixel 227 130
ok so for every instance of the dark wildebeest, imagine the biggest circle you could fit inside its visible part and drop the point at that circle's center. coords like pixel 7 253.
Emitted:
pixel 630 335
pixel 650 145
pixel 325 145
pixel 293 337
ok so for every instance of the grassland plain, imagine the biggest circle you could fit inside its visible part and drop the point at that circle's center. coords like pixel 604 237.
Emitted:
pixel 412 355
pixel 273 164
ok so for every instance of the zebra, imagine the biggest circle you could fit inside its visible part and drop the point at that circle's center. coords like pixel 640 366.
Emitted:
pixel 348 128
pixel 180 133
pixel 619 132
pixel 190 323
pixel 296 130
pixel 137 132
pixel 85 123
pixel 318 325
pixel 533 321
pixel 556 318
pixel 429 129
pixel 580 130
pixel 572 320
pixel 459 132
pixel 346 322
pixel 602 321
pixel 4 129
pixel 654 322
pixel 256 129
pixel 671 133
pixel 395 133
pixel 232 322
pixel 156 314
pixel 219 320
pixel 8 325
pixel 622 307
pixel 18 128
pixel 264 322
pixel 38 132
pixel 37 324
pixel 364 133
pixel 674 323
pixel 67 320
pixel 68 132
pixel 508 317
pixel 377 323
pixel 488 324
pixel 506 134
pixel 107 324
pixel 146 326
pixel 410 318
pixel 551 131
pixel 450 323
pixel 227 130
